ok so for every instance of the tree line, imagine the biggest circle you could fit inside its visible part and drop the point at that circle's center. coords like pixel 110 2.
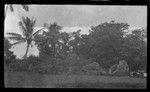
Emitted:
pixel 107 43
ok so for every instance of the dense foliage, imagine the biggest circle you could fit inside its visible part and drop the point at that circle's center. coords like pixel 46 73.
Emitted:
pixel 106 44
pixel 8 55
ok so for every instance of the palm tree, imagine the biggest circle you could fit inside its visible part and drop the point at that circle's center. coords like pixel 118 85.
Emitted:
pixel 49 41
pixel 11 7
pixel 27 26
pixel 65 38
pixel 53 36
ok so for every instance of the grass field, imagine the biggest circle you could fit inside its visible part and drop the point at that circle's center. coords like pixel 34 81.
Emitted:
pixel 29 80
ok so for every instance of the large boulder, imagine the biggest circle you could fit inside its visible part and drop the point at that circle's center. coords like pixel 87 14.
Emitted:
pixel 121 69
pixel 86 61
pixel 113 68
pixel 102 71
pixel 74 70
pixel 91 69
pixel 75 64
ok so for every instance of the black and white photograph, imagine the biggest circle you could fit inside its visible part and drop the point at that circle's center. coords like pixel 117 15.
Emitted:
pixel 75 46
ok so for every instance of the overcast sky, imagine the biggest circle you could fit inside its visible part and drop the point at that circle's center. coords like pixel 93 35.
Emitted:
pixel 77 16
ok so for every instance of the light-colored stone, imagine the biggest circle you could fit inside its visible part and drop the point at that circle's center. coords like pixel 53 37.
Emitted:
pixel 113 68
pixel 121 69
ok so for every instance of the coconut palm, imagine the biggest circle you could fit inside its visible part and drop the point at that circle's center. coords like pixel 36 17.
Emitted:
pixel 27 26
pixel 11 7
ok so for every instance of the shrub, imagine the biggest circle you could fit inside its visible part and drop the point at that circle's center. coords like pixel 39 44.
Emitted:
pixel 18 65
pixel 24 64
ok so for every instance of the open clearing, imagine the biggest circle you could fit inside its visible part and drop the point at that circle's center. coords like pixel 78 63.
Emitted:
pixel 29 80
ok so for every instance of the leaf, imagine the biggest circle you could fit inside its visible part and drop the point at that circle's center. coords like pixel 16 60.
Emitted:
pixel 25 7
pixel 7 44
pixel 14 34
pixel 27 25
pixel 11 8
pixel 37 31
pixel 16 38
pixel 18 42
pixel 24 30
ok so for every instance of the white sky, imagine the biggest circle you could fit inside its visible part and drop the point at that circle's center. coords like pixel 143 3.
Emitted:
pixel 72 17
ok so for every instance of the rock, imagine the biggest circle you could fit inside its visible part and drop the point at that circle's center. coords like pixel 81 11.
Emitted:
pixel 121 69
pixel 101 71
pixel 113 68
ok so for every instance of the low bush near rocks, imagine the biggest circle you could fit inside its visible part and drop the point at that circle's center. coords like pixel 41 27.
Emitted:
pixel 24 64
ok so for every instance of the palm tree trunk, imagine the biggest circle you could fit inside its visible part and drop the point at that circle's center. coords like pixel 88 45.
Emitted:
pixel 26 50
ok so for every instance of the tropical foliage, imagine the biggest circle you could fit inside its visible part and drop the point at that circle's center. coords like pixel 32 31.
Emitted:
pixel 61 52
pixel 27 26
pixel 8 55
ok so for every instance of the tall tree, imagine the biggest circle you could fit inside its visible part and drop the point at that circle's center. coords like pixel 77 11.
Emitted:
pixel 27 26
pixel 104 42
pixel 135 49
pixel 75 42
pixel 64 43
pixel 49 41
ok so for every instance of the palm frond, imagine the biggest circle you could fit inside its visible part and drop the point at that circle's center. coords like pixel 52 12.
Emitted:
pixel 25 7
pixel 24 30
pixel 38 31
pixel 16 38
pixel 6 10
pixel 24 21
pixel 27 25
pixel 18 42
pixel 11 8
pixel 28 21
pixel 14 34
pixel 33 21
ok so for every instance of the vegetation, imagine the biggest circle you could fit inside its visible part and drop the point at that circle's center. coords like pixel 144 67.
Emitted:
pixel 106 44
pixel 27 26
pixel 8 55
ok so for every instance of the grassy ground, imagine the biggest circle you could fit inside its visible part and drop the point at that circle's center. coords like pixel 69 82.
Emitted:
pixel 23 80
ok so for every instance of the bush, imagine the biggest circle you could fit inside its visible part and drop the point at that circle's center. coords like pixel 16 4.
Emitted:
pixel 24 64
pixel 50 65
pixel 18 65
pixel 32 61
